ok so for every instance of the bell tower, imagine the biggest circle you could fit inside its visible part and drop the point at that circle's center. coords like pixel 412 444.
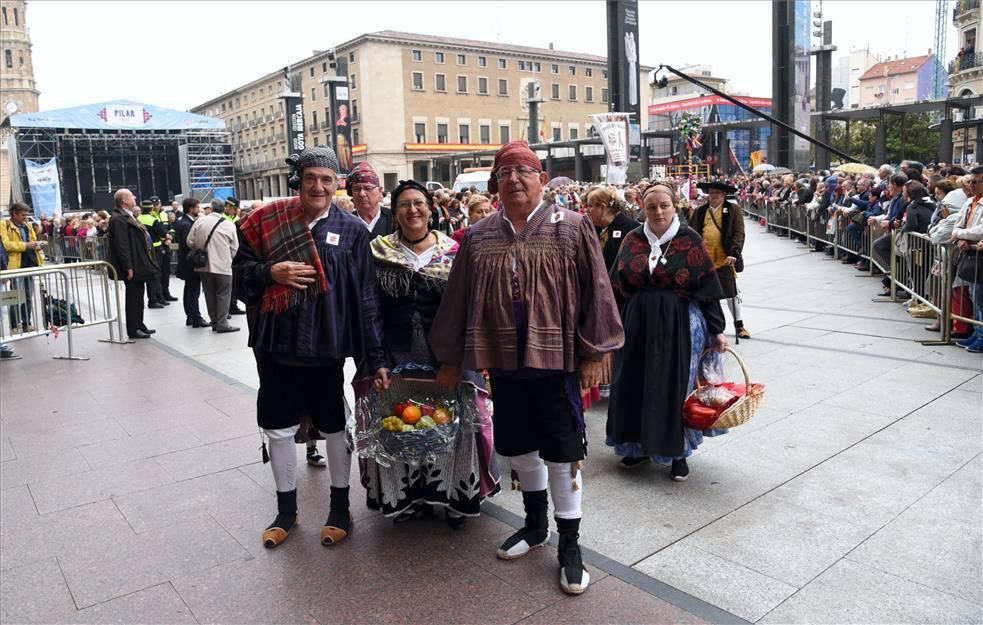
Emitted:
pixel 18 91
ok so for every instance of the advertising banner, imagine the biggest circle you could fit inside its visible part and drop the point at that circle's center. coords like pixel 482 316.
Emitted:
pixel 613 130
pixel 42 179
pixel 341 123
pixel 623 67
pixel 294 105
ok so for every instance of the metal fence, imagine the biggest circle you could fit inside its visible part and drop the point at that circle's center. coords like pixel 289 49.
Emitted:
pixel 914 265
pixel 68 297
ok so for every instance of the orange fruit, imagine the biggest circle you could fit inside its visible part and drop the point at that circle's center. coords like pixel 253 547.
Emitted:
pixel 411 414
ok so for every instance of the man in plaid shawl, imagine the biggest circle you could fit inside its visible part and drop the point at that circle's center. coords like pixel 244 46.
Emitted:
pixel 306 274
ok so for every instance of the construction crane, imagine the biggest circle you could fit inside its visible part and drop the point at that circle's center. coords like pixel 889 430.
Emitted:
pixel 942 18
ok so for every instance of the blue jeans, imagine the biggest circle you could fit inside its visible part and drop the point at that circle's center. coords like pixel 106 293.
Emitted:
pixel 22 315
pixel 977 295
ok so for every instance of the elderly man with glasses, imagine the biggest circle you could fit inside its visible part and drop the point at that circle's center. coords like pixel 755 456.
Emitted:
pixel 529 300
pixel 363 186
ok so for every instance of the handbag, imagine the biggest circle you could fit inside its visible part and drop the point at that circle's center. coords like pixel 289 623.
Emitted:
pixel 970 267
pixel 199 258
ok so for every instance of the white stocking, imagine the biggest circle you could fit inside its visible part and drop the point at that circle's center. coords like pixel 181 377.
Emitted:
pixel 531 471
pixel 566 488
pixel 735 308
pixel 283 458
pixel 339 458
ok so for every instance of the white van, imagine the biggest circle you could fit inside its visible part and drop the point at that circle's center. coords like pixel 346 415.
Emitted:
pixel 477 179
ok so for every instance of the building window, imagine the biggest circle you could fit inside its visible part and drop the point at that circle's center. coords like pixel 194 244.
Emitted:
pixel 464 133
pixel 351 81
pixel 503 63
pixel 462 84
pixel 589 94
pixel 895 91
pixel 313 94
pixel 503 134
pixel 417 55
pixel 484 134
pixel 223 107
pixel 482 61
pixel 555 91
pixel 573 93
pixel 574 134
pixel 312 72
pixel 355 138
pixel 5 22
pixel 604 74
pixel 351 57
pixel 440 82
pixel 482 86
pixel 8 59
pixel 522 66
pixel 674 91
pixel 573 70
pixel 554 69
pixel 589 72
pixel 462 59
pixel 604 96
pixel 556 134
pixel 324 68
pixel 503 86
pixel 438 57
pixel 16 17
pixel 420 132
pixel 441 133
pixel 417 81
pixel 354 110
pixel 314 120
pixel 538 68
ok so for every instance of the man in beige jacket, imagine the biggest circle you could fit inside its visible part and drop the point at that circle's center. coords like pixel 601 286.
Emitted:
pixel 217 237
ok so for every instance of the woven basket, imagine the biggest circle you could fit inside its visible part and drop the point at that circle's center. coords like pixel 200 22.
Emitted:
pixel 744 408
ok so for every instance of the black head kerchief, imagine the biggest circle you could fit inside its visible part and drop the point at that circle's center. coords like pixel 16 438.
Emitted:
pixel 405 185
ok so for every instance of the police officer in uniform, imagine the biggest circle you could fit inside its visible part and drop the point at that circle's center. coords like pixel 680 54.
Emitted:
pixel 231 213
pixel 158 232
pixel 165 264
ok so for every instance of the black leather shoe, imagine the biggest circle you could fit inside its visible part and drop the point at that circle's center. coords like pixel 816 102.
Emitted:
pixel 155 305
pixel 140 334
pixel 148 330
pixel 200 323
pixel 237 311
pixel 227 329
pixel 170 298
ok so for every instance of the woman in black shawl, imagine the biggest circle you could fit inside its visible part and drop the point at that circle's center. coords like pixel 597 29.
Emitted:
pixel 669 296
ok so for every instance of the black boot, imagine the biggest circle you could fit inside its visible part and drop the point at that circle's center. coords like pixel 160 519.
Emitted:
pixel 573 576
pixel 339 523
pixel 536 531
pixel 286 518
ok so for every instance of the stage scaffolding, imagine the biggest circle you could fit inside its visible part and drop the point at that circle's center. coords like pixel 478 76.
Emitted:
pixel 93 163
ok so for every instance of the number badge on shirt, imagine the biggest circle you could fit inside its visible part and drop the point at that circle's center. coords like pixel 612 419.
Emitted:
pixel 333 238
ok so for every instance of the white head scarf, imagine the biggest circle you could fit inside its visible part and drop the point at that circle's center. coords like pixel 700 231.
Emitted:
pixel 656 242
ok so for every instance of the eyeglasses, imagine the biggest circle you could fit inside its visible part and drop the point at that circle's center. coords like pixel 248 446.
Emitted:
pixel 417 204
pixel 524 172
pixel 363 188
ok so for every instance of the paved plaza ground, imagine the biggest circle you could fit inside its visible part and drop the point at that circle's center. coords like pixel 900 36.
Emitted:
pixel 133 492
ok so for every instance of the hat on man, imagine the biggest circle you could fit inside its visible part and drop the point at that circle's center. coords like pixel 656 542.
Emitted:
pixel 362 174
pixel 512 154
pixel 148 204
pixel 231 201
pixel 719 185
pixel 154 199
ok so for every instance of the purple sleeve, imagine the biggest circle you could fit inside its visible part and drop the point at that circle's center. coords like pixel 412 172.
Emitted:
pixel 599 327
pixel 450 325
pixel 370 305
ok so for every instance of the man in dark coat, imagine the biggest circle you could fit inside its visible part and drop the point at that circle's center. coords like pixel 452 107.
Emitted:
pixel 720 224
pixel 363 186
pixel 192 280
pixel 131 255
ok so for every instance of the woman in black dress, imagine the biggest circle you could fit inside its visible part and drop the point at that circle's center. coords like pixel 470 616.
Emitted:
pixel 669 298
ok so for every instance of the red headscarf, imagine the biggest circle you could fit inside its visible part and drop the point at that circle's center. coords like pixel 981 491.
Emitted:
pixel 364 174
pixel 512 154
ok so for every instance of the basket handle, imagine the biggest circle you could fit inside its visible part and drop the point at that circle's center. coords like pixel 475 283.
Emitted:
pixel 740 361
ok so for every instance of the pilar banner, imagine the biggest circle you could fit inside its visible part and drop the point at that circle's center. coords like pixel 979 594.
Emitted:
pixel 341 121
pixel 613 129
pixel 45 187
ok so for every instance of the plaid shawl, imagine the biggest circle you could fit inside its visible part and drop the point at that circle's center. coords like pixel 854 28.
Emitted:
pixel 277 232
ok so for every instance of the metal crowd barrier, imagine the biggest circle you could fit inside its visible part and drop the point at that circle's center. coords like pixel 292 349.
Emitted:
pixel 70 296
pixel 61 249
pixel 918 267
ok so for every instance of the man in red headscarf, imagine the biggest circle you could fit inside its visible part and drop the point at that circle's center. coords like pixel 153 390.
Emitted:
pixel 529 300
pixel 363 186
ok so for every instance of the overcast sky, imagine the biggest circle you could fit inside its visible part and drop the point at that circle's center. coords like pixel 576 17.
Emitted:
pixel 179 54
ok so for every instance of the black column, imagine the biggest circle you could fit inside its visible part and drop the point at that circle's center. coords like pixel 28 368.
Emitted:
pixel 945 138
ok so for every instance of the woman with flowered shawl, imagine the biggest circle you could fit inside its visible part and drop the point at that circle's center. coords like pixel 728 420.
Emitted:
pixel 412 267
pixel 668 295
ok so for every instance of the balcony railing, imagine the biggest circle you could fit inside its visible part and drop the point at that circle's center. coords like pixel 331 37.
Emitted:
pixel 312 127
pixel 963 6
pixel 968 61
pixel 325 125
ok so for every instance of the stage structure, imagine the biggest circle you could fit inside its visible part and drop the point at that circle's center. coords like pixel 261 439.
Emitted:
pixel 99 148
